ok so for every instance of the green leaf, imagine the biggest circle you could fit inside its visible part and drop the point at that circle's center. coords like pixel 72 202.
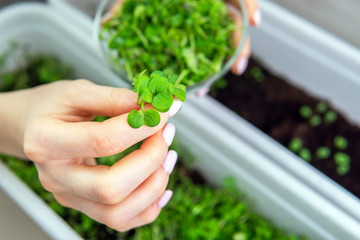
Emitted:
pixel 171 88
pixel 158 84
pixel 141 83
pixel 340 142
pixel 190 59
pixel 146 95
pixel 342 158
pixel 139 11
pixel 321 107
pixel 157 74
pixel 181 86
pixel 305 111
pixel 173 78
pixel 116 42
pixel 151 118
pixel 135 119
pixel 139 75
pixel 295 145
pixel 330 116
pixel 180 94
pixel 323 152
pixel 305 154
pixel 163 101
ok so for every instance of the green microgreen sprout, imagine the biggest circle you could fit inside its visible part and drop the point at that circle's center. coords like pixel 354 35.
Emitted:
pixel 323 152
pixel 330 116
pixel 295 145
pixel 321 107
pixel 315 120
pixel 190 38
pixel 305 111
pixel 157 90
pixel 342 161
pixel 340 142
pixel 305 154
pixel 257 74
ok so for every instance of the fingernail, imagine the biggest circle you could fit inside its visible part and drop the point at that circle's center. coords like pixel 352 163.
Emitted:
pixel 202 92
pixel 170 161
pixel 165 198
pixel 175 107
pixel 242 65
pixel 257 17
pixel 169 133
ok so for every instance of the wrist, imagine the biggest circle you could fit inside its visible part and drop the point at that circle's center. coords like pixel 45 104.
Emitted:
pixel 12 123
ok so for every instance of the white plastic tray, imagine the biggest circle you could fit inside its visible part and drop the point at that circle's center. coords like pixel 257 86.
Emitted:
pixel 275 193
pixel 312 59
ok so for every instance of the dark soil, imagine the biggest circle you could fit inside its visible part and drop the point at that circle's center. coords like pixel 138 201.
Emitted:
pixel 273 106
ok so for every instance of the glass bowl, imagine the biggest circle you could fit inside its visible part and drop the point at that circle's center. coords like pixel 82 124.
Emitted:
pixel 117 62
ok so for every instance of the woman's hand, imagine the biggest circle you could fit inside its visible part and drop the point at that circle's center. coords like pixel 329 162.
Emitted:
pixel 51 125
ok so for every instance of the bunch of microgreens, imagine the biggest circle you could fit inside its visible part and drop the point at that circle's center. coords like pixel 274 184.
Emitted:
pixel 157 90
pixel 191 38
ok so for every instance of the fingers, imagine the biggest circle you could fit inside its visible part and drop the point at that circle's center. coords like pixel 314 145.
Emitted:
pixel 113 217
pixel 252 7
pixel 110 185
pixel 241 62
pixel 254 13
pixel 87 139
pixel 87 97
pixel 114 8
pixel 140 207
pixel 149 214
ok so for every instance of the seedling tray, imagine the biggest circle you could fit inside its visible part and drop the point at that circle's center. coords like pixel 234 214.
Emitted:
pixel 314 61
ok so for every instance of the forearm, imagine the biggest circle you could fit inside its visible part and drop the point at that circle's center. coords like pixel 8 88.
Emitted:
pixel 12 123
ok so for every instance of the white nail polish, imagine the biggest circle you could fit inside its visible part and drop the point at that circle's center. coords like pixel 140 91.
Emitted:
pixel 175 107
pixel 257 17
pixel 165 198
pixel 169 133
pixel 170 161
pixel 242 65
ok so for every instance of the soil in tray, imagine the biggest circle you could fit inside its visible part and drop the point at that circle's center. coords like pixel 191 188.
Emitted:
pixel 274 106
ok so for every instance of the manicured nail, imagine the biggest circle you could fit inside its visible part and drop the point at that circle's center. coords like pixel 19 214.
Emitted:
pixel 170 161
pixel 202 92
pixel 175 107
pixel 242 65
pixel 257 17
pixel 165 198
pixel 169 133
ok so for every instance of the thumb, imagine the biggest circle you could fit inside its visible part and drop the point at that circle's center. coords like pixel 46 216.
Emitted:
pixel 87 97
pixel 63 140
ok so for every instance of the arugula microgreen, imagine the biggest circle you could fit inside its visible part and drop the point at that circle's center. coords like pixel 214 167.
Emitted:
pixel 158 90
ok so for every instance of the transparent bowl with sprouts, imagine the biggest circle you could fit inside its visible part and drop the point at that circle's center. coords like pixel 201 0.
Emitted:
pixel 198 40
